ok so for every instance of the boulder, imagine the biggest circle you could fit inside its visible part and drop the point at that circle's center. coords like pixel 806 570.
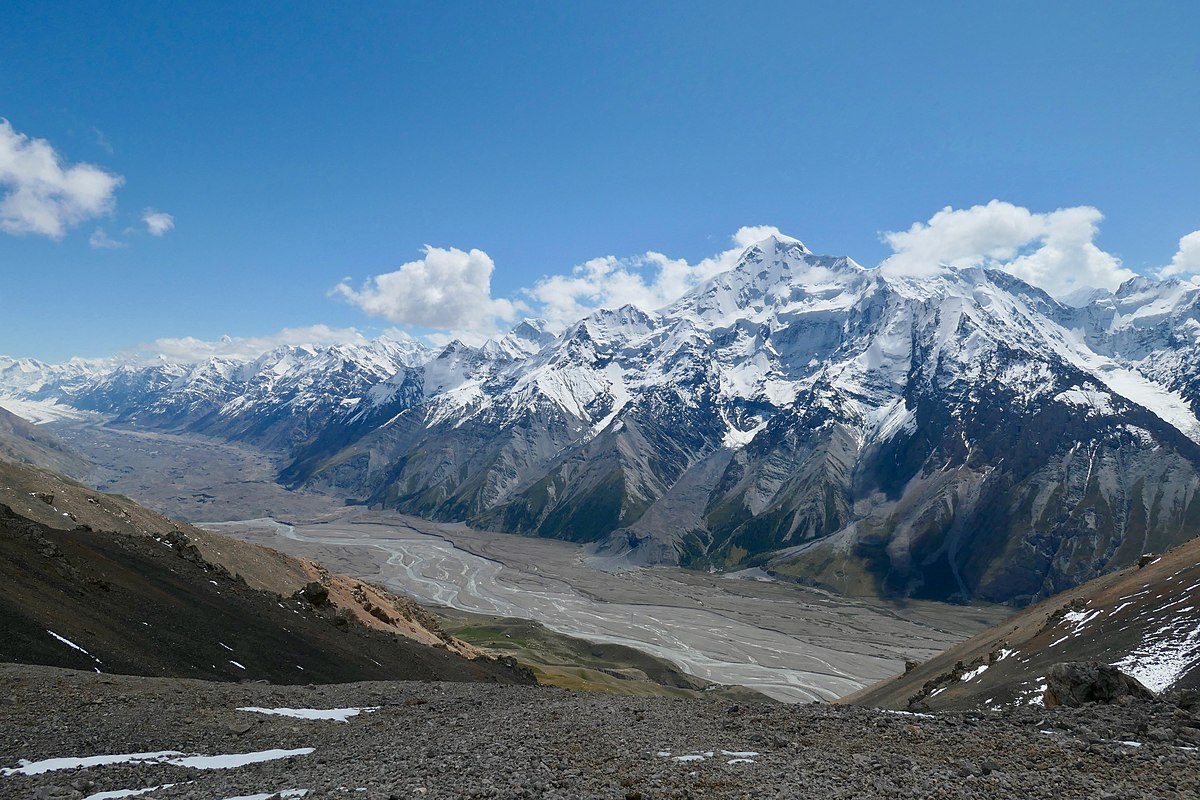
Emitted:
pixel 1074 683
pixel 315 593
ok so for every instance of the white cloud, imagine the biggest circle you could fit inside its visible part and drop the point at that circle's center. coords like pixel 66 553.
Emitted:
pixel 44 196
pixel 188 349
pixel 447 290
pixel 101 241
pixel 649 281
pixel 1054 251
pixel 157 222
pixel 1187 259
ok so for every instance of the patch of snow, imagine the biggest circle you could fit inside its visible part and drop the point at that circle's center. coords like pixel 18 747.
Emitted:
pixel 233 760
pixel 55 764
pixel 1097 403
pixel 157 757
pixel 71 644
pixel 734 756
pixel 1034 697
pixel 975 673
pixel 268 795
pixel 336 714
pixel 116 794
pixel 1164 655
pixel 735 438
pixel 1080 619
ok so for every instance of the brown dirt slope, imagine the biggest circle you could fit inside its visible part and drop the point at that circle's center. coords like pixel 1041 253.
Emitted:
pixel 1145 619
pixel 144 604
pixel 59 502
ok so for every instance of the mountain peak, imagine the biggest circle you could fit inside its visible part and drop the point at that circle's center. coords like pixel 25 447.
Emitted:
pixel 778 243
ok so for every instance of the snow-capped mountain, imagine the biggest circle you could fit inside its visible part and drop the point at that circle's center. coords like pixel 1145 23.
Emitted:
pixel 957 434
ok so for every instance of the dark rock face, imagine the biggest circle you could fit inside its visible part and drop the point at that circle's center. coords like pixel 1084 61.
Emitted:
pixel 1075 683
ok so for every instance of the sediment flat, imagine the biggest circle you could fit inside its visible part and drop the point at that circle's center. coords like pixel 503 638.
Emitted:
pixel 791 643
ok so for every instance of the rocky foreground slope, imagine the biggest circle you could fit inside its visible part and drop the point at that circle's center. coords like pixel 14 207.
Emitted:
pixel 439 740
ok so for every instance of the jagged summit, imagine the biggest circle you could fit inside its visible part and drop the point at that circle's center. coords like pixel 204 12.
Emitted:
pixel 778 242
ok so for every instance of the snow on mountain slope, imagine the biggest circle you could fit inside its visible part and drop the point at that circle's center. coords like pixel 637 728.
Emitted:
pixel 956 434
pixel 1143 619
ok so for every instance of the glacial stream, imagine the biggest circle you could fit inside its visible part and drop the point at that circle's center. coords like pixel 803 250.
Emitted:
pixel 710 645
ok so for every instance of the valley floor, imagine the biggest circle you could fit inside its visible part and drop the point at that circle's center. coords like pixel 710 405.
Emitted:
pixel 788 642
pixel 438 740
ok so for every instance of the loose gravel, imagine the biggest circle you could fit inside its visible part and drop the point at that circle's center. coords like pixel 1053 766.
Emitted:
pixel 443 740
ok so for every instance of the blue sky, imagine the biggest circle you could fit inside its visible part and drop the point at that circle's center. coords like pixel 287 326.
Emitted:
pixel 297 146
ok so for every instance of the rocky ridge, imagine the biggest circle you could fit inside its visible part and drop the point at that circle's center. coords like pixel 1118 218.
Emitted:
pixel 1143 620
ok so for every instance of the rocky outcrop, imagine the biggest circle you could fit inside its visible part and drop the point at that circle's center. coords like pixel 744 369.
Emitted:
pixel 1075 683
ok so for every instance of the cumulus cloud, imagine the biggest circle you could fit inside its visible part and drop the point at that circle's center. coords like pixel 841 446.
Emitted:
pixel 101 240
pixel 188 349
pixel 649 281
pixel 42 195
pixel 1187 260
pixel 1054 251
pixel 157 222
pixel 447 290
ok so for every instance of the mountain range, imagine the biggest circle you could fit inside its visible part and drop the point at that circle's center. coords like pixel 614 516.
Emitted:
pixel 952 435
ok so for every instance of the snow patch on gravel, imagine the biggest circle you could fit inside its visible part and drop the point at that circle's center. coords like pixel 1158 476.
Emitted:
pixel 336 714
pixel 117 794
pixel 734 756
pixel 975 673
pixel 1164 655
pixel 158 757
pixel 1079 619
pixel 267 795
